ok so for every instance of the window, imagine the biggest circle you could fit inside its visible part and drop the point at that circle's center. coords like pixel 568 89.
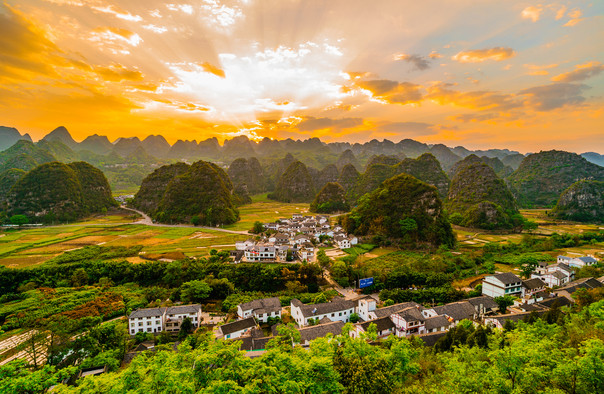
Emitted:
pixel 132 331
pixel 148 323
pixel 340 313
pixel 157 322
pixel 140 323
pixel 149 329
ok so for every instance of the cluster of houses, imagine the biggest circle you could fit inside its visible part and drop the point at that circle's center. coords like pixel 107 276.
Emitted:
pixel 534 289
pixel 292 240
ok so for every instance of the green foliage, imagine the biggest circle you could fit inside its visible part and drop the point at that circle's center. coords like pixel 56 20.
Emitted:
pixel 194 291
pixel 60 192
pixel 543 176
pixel 258 228
pixel 479 199
pixel 19 220
pixel 504 302
pixel 399 198
pixel 583 202
pixel 294 185
pixel 331 198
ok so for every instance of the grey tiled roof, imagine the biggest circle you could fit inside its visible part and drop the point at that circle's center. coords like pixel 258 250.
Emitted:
pixel 437 322
pixel 486 302
pixel 238 325
pixel 324 308
pixel 507 278
pixel 383 323
pixel 173 310
pixel 321 330
pixel 534 283
pixel 411 314
pixel 389 310
pixel 147 312
pixel 262 305
pixel 431 338
pixel 457 310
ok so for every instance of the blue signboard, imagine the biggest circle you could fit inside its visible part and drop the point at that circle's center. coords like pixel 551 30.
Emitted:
pixel 365 282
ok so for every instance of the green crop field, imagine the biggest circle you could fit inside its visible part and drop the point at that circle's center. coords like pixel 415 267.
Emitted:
pixel 264 210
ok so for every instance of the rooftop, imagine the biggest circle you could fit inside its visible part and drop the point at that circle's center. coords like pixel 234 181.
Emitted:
pixel 456 310
pixel 147 312
pixel 238 325
pixel 310 310
pixel 269 304
pixel 507 278
pixel 389 310
pixel 321 330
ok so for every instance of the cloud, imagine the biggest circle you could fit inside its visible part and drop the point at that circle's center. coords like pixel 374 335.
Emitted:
pixel 555 95
pixel 116 34
pixel 312 124
pixel 410 128
pixel 117 73
pixel 442 93
pixel 117 12
pixel 212 69
pixel 392 92
pixel 575 17
pixel 532 13
pixel 480 55
pixel 560 13
pixel 466 118
pixel 418 62
pixel 537 70
pixel 581 72
pixel 435 55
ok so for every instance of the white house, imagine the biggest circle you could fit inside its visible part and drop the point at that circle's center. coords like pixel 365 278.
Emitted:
pixel 384 327
pixel 236 329
pixel 409 321
pixel 578 262
pixel 342 241
pixel 502 284
pixel 146 320
pixel 260 252
pixel 555 274
pixel 338 310
pixel 242 245
pixel 261 309
pixel 169 319
pixel 366 305
pixel 175 315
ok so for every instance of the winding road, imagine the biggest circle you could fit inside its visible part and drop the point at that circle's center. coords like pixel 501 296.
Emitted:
pixel 147 221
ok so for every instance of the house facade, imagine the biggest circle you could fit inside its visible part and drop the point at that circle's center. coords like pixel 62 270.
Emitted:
pixel 155 320
pixel 261 309
pixel 339 310
pixel 502 284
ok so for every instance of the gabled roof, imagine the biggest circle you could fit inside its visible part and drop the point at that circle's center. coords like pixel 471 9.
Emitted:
pixel 430 339
pixel 147 312
pixel 585 283
pixel 383 323
pixel 437 322
pixel 556 274
pixel 321 330
pixel 487 302
pixel 456 310
pixel 389 310
pixel 173 310
pixel 561 301
pixel 238 325
pixel 411 314
pixel 337 305
pixel 534 283
pixel 564 258
pixel 269 304
pixel 588 259
pixel 507 278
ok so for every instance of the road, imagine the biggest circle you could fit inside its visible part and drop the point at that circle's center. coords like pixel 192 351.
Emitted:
pixel 147 221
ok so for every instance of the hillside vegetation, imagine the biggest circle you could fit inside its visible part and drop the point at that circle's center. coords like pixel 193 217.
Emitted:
pixel 331 198
pixel 60 192
pixel 479 198
pixel 583 201
pixel 405 209
pixel 542 177
pixel 200 194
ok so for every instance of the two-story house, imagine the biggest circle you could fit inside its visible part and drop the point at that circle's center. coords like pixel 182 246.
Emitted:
pixel 337 310
pixel 502 284
pixel 261 309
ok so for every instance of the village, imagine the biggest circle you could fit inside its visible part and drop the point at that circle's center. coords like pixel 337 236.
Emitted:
pixel 549 286
pixel 292 240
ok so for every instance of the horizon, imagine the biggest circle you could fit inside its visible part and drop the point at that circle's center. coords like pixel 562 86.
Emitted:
pixel 222 141
pixel 521 75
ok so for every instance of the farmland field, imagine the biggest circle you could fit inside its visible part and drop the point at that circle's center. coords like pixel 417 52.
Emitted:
pixel 264 210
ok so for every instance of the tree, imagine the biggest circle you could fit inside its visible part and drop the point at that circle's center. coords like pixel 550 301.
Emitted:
pixel 323 260
pixel 504 302
pixel 186 327
pixel 19 220
pixel 196 220
pixel 79 278
pixel 258 228
pixel 194 291
pixel 354 318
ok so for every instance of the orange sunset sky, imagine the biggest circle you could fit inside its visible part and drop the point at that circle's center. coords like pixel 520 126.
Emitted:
pixel 524 75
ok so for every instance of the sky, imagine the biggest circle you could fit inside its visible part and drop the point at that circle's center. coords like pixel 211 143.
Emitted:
pixel 523 75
